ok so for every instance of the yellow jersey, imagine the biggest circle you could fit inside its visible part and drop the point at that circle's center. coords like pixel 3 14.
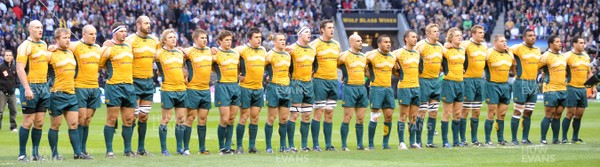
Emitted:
pixel 35 58
pixel 554 66
pixel 144 49
pixel 526 59
pixel 171 69
pixel 199 64
pixel 225 63
pixel 63 64
pixel 353 67
pixel 380 67
pixel 118 61
pixel 431 58
pixel 278 67
pixel 252 66
pixel 302 62
pixel 453 63
pixel 578 68
pixel 474 59
pixel 88 57
pixel 327 53
pixel 408 60
pixel 498 65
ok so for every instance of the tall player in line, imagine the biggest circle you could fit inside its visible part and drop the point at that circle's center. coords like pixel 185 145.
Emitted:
pixel 578 71
pixel 431 59
pixel 144 47
pixel 453 86
pixel 379 66
pixel 199 67
pixel 302 89
pixel 407 69
pixel 354 100
pixel 117 58
pixel 252 68
pixel 325 83
pixel 475 53
pixel 278 91
pixel 554 71
pixel 497 90
pixel 32 70
pixel 525 86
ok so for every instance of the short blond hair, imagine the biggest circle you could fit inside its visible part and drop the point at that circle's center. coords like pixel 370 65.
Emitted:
pixel 59 31
pixel 475 28
pixel 451 32
pixel 165 33
pixel 430 26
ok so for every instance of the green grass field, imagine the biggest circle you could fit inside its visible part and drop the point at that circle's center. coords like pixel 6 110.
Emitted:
pixel 551 155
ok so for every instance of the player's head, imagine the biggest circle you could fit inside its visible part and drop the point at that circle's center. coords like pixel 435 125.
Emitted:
pixel 454 36
pixel 8 56
pixel 168 38
pixel 278 41
pixel 384 42
pixel 554 43
pixel 529 37
pixel 62 36
pixel 225 37
pixel 119 32
pixel 478 33
pixel 89 34
pixel 142 24
pixel 254 37
pixel 35 29
pixel 432 32
pixel 578 44
pixel 200 38
pixel 410 38
pixel 326 28
pixel 499 42
pixel 304 34
pixel 355 42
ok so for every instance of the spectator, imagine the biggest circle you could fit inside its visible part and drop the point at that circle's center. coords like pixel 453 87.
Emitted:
pixel 8 82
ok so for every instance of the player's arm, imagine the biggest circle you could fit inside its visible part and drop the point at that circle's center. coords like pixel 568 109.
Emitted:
pixel 22 57
pixel 104 56
pixel 397 67
pixel 367 70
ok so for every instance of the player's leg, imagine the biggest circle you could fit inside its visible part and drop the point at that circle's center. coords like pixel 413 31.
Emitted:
pixel 404 112
pixel 26 125
pixel 549 115
pixel 72 118
pixel 328 122
pixel 348 112
pixel 519 109
pixel 127 117
pixel 233 110
pixel 556 123
pixel 577 124
pixel 320 93
pixel 109 128
pixel 489 122
pixel 257 103
pixel 291 124
pixel 85 128
pixel 375 114
pixel 388 106
pixel 456 124
pixel 359 128
pixel 413 127
pixel 241 127
pixel 202 117
pixel 306 125
pixel 55 122
pixel 222 130
pixel 501 113
pixel 464 113
pixel 180 128
pixel 38 123
pixel 431 121
pixel 446 115
pixel 190 117
pixel 420 119
pixel 566 123
pixel 271 116
pixel 475 112
pixel 144 108
pixel 283 114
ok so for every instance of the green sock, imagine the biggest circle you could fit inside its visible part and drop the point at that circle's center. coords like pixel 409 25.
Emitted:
pixel 179 132
pixel 576 126
pixel 141 135
pixel 75 141
pixel 545 125
pixel 455 130
pixel 109 133
pixel 430 129
pixel 268 134
pixel 565 127
pixel 221 135
pixel 463 130
pixel 514 127
pixel 82 144
pixel 315 127
pixel 304 126
pixel 474 127
pixel 401 131
pixel 555 128
pixel 372 129
pixel 36 137
pixel 162 135
pixel 386 135
pixel 327 130
pixel 23 137
pixel 239 134
pixel 488 130
pixel 253 131
pixel 127 134
pixel 282 134
pixel 344 133
pixel 500 132
pixel 291 128
pixel 444 132
pixel 202 137
pixel 526 126
pixel 229 136
pixel 53 139
pixel 413 130
pixel 419 130
pixel 187 134
pixel 84 137
pixel 359 134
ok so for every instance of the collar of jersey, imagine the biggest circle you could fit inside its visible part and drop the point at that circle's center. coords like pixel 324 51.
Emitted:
pixel 31 40
pixel 248 45
pixel 229 51
pixel 385 54
pixel 330 41
pixel 302 46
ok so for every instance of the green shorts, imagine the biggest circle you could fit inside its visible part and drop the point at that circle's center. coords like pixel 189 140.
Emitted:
pixel 555 98
pixel 576 97
pixel 144 88
pixel 326 89
pixel 452 91
pixel 120 95
pixel 524 91
pixel 61 102
pixel 497 93
pixel 170 99
pixel 198 99
pixel 430 89
pixel 473 89
pixel 88 97
pixel 278 96
pixel 227 94
pixel 251 98
pixel 39 103
pixel 302 92
pixel 355 96
pixel 409 96
pixel 381 97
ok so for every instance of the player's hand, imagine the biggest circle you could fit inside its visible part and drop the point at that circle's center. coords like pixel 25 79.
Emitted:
pixel 52 48
pixel 108 43
pixel 241 78
pixel 213 50
pixel 288 49
pixel 447 45
pixel 28 94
